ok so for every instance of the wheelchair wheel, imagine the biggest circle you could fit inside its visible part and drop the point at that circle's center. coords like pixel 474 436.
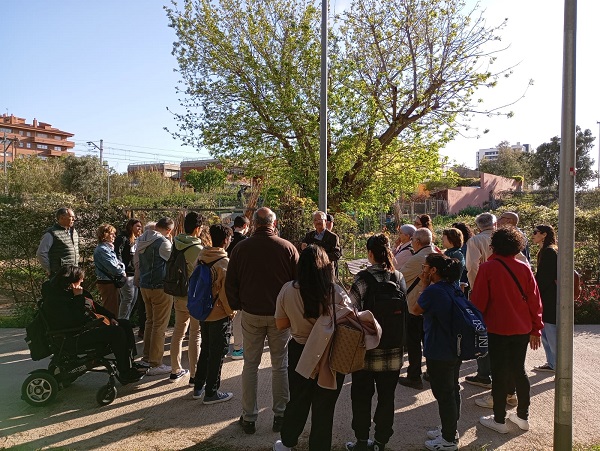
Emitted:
pixel 106 395
pixel 39 389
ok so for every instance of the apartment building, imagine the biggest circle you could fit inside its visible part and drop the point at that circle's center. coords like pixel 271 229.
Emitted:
pixel 19 139
pixel 492 154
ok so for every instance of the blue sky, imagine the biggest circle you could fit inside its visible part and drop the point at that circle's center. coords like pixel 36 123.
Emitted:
pixel 104 69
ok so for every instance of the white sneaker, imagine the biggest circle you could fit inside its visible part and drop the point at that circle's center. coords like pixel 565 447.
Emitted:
pixel 158 370
pixel 279 446
pixel 523 424
pixel 489 422
pixel 488 401
pixel 437 432
pixel 439 444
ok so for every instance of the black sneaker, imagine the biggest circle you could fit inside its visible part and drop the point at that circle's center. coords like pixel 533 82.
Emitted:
pixel 178 375
pixel 277 424
pixel 130 376
pixel 378 446
pixel 248 426
pixel 485 382
pixel 412 383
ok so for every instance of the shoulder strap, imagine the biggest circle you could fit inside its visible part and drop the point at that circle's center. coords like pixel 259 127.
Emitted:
pixel 512 274
pixel 214 261
pixel 413 285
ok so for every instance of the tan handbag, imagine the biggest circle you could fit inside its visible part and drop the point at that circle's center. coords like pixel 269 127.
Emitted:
pixel 348 349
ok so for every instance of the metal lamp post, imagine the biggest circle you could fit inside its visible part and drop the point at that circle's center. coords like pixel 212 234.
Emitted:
pixel 323 111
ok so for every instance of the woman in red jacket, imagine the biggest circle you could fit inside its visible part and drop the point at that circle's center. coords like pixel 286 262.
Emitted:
pixel 506 292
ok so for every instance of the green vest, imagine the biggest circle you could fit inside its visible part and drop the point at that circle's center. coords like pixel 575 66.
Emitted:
pixel 64 249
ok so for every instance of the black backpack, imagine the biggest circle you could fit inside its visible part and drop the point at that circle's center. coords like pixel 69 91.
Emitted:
pixel 176 281
pixel 387 302
pixel 37 336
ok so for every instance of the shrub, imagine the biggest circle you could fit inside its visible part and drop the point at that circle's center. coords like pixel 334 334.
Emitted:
pixel 587 307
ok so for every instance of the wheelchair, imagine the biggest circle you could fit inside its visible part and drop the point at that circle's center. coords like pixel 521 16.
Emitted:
pixel 66 364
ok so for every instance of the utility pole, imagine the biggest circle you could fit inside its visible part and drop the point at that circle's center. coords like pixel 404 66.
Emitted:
pixel 101 148
pixel 4 144
pixel 598 122
pixel 105 165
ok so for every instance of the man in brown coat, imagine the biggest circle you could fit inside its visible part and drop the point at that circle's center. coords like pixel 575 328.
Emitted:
pixel 259 267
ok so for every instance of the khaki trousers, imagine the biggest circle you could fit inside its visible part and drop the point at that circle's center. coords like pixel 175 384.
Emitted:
pixel 182 319
pixel 158 311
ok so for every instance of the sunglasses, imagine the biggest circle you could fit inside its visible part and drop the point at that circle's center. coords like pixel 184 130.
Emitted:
pixel 535 232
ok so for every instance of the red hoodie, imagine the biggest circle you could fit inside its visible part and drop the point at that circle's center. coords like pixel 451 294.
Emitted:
pixel 497 296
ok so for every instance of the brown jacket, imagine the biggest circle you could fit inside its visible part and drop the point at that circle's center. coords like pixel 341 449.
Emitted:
pixel 218 272
pixel 259 267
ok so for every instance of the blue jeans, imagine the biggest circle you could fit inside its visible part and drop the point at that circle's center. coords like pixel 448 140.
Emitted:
pixel 549 343
pixel 129 293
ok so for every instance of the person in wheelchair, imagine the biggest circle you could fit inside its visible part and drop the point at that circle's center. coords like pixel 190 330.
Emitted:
pixel 67 305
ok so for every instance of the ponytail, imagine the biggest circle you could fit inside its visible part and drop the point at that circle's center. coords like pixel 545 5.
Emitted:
pixel 379 245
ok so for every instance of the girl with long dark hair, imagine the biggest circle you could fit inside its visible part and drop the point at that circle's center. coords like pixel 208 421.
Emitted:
pixel 546 276
pixel 301 305
pixel 125 249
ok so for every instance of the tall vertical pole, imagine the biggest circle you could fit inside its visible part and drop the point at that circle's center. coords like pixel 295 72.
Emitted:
pixel 4 147
pixel 101 149
pixel 598 122
pixel 323 111
pixel 563 400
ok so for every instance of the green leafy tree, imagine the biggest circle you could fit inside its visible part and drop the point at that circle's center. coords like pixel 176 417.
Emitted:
pixel 510 162
pixel 402 73
pixel 32 175
pixel 545 162
pixel 84 176
pixel 206 180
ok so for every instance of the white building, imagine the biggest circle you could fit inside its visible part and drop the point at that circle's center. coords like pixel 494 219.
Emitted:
pixel 492 154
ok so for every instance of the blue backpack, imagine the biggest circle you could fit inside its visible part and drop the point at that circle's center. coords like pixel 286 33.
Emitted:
pixel 467 328
pixel 200 299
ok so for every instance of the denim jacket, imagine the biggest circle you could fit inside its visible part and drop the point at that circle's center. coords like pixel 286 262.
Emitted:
pixel 105 258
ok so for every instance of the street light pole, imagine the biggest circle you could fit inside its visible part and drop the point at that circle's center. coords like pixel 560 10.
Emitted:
pixel 323 111
pixel 105 166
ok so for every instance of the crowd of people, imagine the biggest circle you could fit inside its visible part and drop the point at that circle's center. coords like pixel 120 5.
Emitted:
pixel 265 288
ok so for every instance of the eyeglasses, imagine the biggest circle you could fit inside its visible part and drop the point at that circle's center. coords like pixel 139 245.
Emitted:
pixel 423 266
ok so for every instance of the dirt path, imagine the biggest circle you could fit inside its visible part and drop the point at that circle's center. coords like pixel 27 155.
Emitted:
pixel 159 415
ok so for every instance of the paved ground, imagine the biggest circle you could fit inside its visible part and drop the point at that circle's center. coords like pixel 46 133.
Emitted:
pixel 157 414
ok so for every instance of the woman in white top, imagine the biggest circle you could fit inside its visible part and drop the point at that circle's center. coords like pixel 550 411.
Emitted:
pixel 300 304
